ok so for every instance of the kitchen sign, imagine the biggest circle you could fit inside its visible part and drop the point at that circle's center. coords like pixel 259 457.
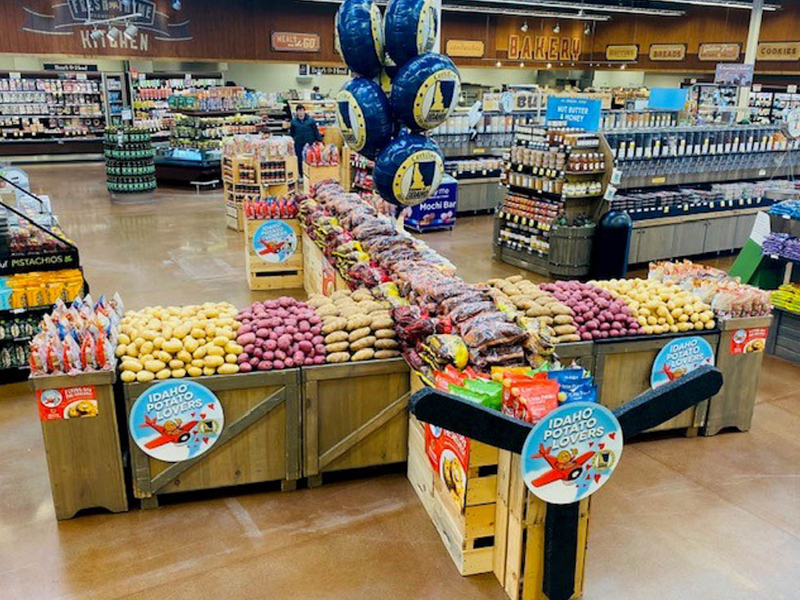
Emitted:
pixel 466 48
pixel 719 52
pixel 667 52
pixel 283 41
pixel 543 47
pixel 622 52
pixel 778 51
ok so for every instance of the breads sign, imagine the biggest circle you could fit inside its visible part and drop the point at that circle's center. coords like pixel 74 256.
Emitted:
pixel 667 52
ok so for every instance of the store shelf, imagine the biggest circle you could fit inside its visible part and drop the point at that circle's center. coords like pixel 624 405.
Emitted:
pixel 651 181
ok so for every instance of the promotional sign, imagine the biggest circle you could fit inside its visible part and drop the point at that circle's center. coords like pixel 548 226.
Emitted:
pixel 438 211
pixel 571 453
pixel 543 47
pixel 284 41
pixel 448 453
pixel 667 98
pixel 67 403
pixel 176 420
pixel 679 357
pixel 622 52
pixel 70 68
pixel 577 112
pixel 274 241
pixel 747 341
pixel 465 48
pixel 716 52
pixel 667 52
pixel 741 75
pixel 778 51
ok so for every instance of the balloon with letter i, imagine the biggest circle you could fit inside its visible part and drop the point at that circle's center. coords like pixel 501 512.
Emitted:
pixel 402 91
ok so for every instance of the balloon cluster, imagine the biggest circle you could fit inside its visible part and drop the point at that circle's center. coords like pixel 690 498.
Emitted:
pixel 401 90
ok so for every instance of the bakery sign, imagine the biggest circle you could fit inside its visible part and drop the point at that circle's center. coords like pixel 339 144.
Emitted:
pixel 622 52
pixel 284 41
pixel 74 18
pixel 778 51
pixel 719 52
pixel 667 52
pixel 543 47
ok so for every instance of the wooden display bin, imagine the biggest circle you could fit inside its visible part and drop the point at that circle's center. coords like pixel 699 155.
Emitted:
pixel 84 456
pixel 260 441
pixel 319 275
pixel 623 369
pixel 519 541
pixel 313 175
pixel 465 523
pixel 581 353
pixel 355 416
pixel 740 365
pixel 262 275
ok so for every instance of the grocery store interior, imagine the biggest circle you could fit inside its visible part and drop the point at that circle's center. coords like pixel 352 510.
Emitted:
pixel 326 299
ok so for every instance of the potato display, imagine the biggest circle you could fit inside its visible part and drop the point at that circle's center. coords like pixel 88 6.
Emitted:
pixel 187 341
pixel 598 314
pixel 661 307
pixel 356 326
pixel 279 334
pixel 530 299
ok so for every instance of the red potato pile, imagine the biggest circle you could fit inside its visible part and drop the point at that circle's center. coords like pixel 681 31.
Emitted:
pixel 598 315
pixel 279 334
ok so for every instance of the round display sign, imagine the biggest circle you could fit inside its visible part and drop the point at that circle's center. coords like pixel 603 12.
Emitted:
pixel 679 357
pixel 176 420
pixel 274 242
pixel 571 452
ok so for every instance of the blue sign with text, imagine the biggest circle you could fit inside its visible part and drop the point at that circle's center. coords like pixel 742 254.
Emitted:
pixel 581 113
pixel 667 98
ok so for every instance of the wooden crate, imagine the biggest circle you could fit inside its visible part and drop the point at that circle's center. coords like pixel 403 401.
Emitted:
pixel 734 405
pixel 273 276
pixel 319 276
pixel 313 175
pixel 355 416
pixel 465 524
pixel 519 542
pixel 622 372
pixel 84 456
pixel 260 441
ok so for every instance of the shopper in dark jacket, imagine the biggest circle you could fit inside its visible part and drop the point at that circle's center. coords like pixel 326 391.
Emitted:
pixel 304 131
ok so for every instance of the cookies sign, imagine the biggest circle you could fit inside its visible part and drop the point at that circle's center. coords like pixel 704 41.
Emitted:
pixel 176 420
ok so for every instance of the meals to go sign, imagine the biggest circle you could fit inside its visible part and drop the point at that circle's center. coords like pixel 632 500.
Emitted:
pixel 283 41
pixel 543 47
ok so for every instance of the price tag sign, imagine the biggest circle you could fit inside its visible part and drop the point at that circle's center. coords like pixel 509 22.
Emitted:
pixel 15 75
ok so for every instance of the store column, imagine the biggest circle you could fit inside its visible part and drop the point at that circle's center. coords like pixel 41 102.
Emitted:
pixel 751 49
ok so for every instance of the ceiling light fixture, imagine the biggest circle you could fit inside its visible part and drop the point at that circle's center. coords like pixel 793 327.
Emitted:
pixel 521 65
pixel 557 28
pixel 549 65
pixel 130 31
pixel 114 33
pixel 587 29
pixel 97 35
pixel 524 27
pixel 612 8
pixel 623 67
pixel 498 64
pixel 496 10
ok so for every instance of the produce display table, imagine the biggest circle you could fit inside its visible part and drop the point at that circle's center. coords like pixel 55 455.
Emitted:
pixel 260 440
pixel 739 357
pixel 354 415
pixel 84 458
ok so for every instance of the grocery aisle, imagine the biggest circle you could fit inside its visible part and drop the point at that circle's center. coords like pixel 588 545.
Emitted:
pixel 682 519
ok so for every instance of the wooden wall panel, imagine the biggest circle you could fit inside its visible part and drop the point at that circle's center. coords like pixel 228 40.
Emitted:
pixel 240 30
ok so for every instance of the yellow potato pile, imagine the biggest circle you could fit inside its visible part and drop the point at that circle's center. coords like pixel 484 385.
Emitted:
pixel 159 343
pixel 660 307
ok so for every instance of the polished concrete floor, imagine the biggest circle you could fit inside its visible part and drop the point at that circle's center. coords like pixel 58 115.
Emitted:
pixel 691 519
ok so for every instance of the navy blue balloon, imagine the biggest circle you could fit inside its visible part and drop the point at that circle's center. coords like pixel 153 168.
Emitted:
pixel 411 28
pixel 425 91
pixel 409 170
pixel 364 116
pixel 359 36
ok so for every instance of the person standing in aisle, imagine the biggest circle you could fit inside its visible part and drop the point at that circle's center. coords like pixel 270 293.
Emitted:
pixel 304 131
